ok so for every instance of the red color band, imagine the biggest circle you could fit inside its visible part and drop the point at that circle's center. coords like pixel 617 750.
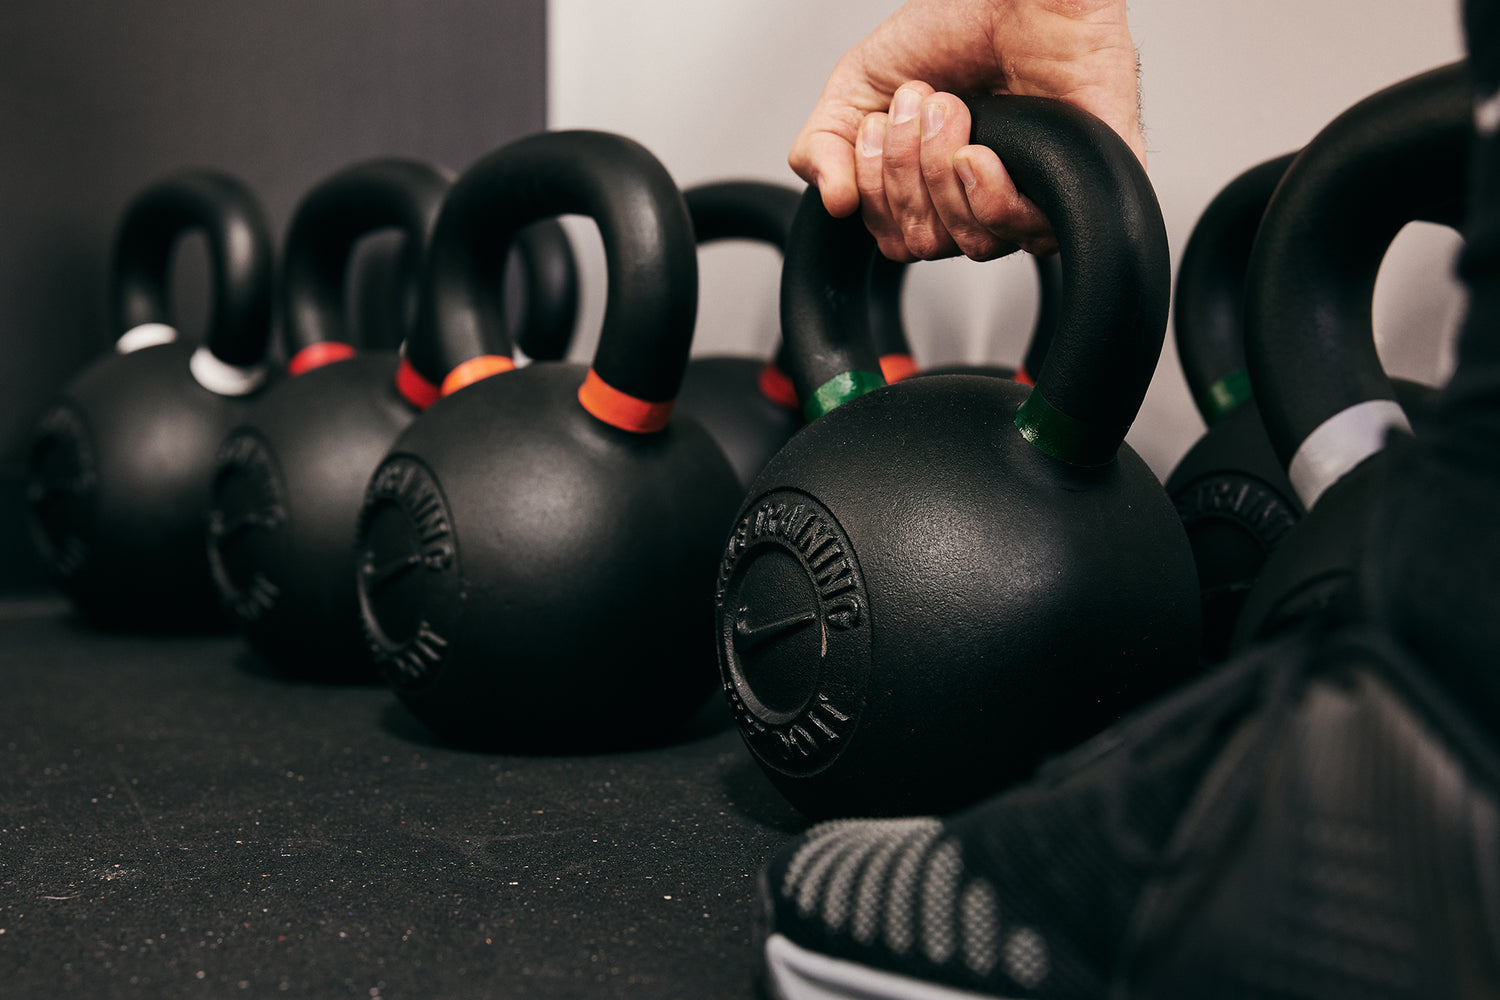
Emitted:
pixel 317 355
pixel 1024 377
pixel 895 367
pixel 621 409
pixel 776 385
pixel 415 389
pixel 475 370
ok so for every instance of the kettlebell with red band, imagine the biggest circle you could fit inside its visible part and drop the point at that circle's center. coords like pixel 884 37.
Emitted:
pixel 886 280
pixel 745 403
pixel 289 479
pixel 937 583
pixel 119 462
pixel 1399 155
pixel 536 553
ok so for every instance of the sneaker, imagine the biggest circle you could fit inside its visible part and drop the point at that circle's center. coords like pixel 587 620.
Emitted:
pixel 1314 820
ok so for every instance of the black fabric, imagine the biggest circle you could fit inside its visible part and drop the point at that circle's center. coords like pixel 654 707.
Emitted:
pixel 175 821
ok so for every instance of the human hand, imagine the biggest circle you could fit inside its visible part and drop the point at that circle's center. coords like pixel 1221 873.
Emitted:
pixel 884 140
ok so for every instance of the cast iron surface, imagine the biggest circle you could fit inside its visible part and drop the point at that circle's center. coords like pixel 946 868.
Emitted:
pixel 119 462
pixel 916 602
pixel 1399 155
pixel 175 821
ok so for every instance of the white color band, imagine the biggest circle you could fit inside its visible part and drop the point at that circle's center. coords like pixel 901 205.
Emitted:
pixel 1487 114
pixel 1340 443
pixel 799 974
pixel 223 378
pixel 138 338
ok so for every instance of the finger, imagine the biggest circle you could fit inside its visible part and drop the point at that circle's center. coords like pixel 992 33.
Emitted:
pixel 945 131
pixel 996 204
pixel 870 177
pixel 905 187
pixel 826 161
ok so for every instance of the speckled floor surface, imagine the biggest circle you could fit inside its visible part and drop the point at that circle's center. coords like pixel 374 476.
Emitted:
pixel 176 822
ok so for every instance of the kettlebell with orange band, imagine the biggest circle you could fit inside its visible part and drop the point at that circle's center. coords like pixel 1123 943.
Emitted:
pixel 120 461
pixel 937 583
pixel 536 553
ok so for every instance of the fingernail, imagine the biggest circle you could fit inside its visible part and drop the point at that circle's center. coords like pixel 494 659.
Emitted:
pixel 871 139
pixel 905 107
pixel 965 171
pixel 932 119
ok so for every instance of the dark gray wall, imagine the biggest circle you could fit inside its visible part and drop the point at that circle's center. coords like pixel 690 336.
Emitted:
pixel 100 97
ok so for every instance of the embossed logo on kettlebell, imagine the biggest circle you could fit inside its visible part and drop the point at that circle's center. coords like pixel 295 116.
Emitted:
pixel 794 631
pixel 247 511
pixel 408 579
pixel 62 484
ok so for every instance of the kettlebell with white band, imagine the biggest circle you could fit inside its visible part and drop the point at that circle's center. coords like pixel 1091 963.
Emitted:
pixel 119 462
pixel 744 403
pixel 536 552
pixel 1397 156
pixel 938 582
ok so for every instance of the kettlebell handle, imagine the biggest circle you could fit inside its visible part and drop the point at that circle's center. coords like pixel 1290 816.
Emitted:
pixel 1210 306
pixel 240 260
pixel 1116 275
pixel 1398 156
pixel 327 225
pixel 741 210
pixel 651 264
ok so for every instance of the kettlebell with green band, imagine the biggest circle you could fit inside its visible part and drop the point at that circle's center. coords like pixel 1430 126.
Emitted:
pixel 535 555
pixel 937 583
pixel 120 461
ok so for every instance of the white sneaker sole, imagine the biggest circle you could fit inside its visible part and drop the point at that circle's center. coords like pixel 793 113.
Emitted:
pixel 794 973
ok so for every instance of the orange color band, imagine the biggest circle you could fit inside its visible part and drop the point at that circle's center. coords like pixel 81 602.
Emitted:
pixel 317 355
pixel 776 385
pixel 895 367
pixel 475 370
pixel 415 389
pixel 621 409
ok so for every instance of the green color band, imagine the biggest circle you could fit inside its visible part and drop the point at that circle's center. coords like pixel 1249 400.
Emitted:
pixel 1225 396
pixel 839 390
pixel 1054 432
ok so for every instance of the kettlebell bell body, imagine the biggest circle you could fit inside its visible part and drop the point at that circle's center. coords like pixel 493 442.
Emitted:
pixel 936 583
pixel 119 462
pixel 536 552
pixel 744 403
pixel 1399 155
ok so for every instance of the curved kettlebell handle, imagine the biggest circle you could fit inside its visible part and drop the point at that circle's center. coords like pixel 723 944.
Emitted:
pixel 549 277
pixel 1116 274
pixel 1049 298
pixel 327 225
pixel 650 253
pixel 1209 318
pixel 1398 156
pixel 240 261
pixel 742 210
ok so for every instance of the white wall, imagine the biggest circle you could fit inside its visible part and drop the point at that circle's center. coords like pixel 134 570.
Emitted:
pixel 720 90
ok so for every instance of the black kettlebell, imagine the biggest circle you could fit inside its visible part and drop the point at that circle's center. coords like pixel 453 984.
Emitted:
pixel 936 583
pixel 536 553
pixel 1397 156
pixel 1229 488
pixel 743 402
pixel 886 279
pixel 119 462
pixel 290 480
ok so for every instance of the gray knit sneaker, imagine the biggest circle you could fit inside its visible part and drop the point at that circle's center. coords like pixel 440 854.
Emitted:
pixel 1312 821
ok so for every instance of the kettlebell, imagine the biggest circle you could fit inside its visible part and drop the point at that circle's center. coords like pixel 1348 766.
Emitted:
pixel 536 553
pixel 119 462
pixel 744 403
pixel 1397 156
pixel 1229 488
pixel 938 582
pixel 290 480
pixel 886 283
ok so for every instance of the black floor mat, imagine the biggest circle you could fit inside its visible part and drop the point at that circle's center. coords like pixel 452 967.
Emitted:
pixel 176 822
